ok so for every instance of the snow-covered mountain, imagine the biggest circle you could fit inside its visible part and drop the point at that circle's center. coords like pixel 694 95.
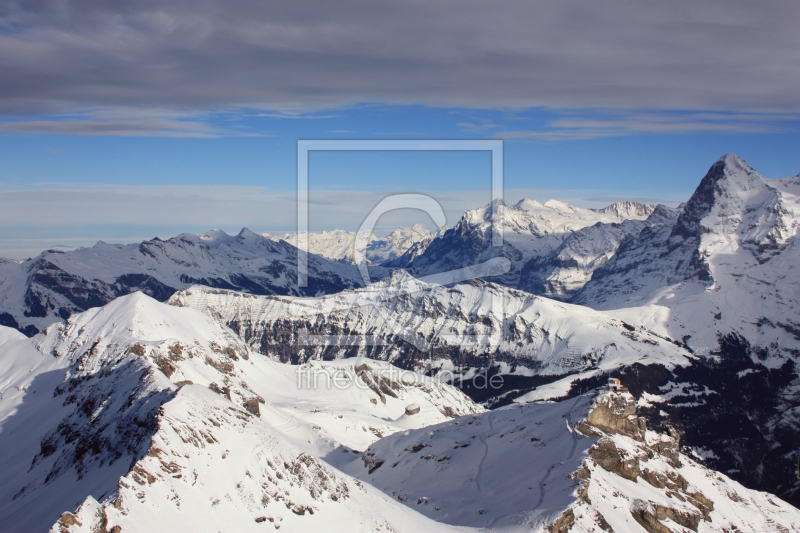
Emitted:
pixel 213 467
pixel 722 278
pixel 139 416
pixel 564 271
pixel 398 243
pixel 54 285
pixel 338 245
pixel 726 264
pixel 548 253
pixel 135 414
pixel 580 465
pixel 414 324
pixel 160 413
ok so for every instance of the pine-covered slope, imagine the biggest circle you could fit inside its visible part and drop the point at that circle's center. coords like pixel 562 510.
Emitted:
pixel 49 288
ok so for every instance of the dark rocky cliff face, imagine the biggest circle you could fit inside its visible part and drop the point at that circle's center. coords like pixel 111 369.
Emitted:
pixel 731 411
pixel 667 250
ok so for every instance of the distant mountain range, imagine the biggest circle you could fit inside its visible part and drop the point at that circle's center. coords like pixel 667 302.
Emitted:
pixel 153 388
pixel 553 247
pixel 338 245
pixel 56 284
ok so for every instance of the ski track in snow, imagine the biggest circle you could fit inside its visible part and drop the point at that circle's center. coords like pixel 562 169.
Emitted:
pixel 544 479
pixel 485 454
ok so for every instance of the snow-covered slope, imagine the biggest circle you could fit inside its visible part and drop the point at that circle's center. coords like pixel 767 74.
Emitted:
pixel 727 263
pixel 83 402
pixel 338 245
pixel 722 278
pixel 565 270
pixel 416 324
pixel 576 465
pixel 534 236
pixel 215 467
pixel 52 286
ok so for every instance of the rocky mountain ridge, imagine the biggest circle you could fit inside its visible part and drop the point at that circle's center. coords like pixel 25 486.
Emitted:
pixel 578 465
pixel 51 287
pixel 125 402
pixel 550 247
pixel 425 326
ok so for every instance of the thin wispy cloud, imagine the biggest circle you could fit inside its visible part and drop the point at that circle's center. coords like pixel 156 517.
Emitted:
pixel 479 126
pixel 125 122
pixel 127 128
pixel 590 124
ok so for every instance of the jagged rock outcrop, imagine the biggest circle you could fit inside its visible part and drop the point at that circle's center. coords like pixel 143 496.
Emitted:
pixel 616 413
pixel 666 490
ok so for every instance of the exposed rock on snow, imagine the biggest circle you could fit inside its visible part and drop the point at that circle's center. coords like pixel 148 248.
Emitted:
pixel 616 413
pixel 413 324
pixel 527 467
pixel 212 466
pixel 92 394
pixel 549 253
pixel 412 409
pixel 54 285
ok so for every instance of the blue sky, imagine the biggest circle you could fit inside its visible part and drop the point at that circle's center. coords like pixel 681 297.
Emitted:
pixel 123 122
pixel 585 167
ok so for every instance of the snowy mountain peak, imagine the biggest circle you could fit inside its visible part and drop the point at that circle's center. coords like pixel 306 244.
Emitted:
pixel 736 207
pixel 627 209
pixel 245 233
pixel 663 213
pixel 528 204
pixel 558 205
pixel 731 160
pixel 728 177
pixel 213 235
